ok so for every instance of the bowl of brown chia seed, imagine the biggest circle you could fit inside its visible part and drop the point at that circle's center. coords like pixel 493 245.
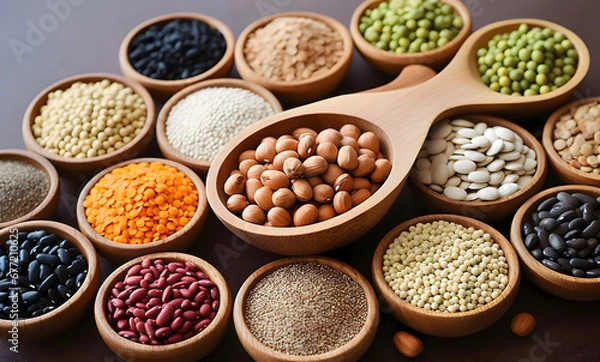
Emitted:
pixel 29 187
pixel 310 308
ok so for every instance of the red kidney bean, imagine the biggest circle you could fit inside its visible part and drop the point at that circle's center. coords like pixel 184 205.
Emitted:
pixel 153 312
pixel 176 294
pixel 144 339
pixel 183 271
pixel 174 278
pixel 177 323
pixel 122 324
pixel 215 305
pixel 165 315
pixel 181 285
pixel 119 313
pixel 186 327
pixel 137 295
pixel 189 279
pixel 205 310
pixel 154 271
pixel 200 297
pixel 146 263
pixel 155 293
pixel 150 329
pixel 175 338
pixel 144 284
pixel 201 275
pixel 133 280
pixel 132 324
pixel 190 315
pixel 206 283
pixel 191 267
pixel 163 332
pixel 124 294
pixel 186 304
pixel 135 270
pixel 176 303
pixel 167 294
pixel 141 327
pixel 212 315
pixel 128 334
pixel 201 325
pixel 185 293
pixel 148 277
pixel 161 283
pixel 152 302
pixel 115 292
pixel 139 313
pixel 214 293
pixel 111 308
pixel 143 304
pixel 120 285
pixel 119 303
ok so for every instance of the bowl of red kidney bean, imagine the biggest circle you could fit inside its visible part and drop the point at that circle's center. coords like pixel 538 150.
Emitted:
pixel 556 234
pixel 49 275
pixel 163 307
pixel 167 53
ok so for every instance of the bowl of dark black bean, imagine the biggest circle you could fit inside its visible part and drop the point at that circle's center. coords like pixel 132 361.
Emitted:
pixel 167 53
pixel 556 234
pixel 29 187
pixel 49 275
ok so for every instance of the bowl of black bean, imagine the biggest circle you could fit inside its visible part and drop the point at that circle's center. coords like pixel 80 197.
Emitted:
pixel 556 235
pixel 49 275
pixel 167 53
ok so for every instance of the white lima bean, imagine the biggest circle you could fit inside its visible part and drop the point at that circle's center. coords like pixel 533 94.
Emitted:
pixel 203 122
pixel 471 161
pixel 445 267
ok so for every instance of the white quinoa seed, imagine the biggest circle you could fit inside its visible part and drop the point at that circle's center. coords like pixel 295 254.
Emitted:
pixel 446 267
pixel 200 124
pixel 306 309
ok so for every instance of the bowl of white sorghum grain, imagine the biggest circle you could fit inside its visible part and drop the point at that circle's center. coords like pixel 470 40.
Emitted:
pixel 571 138
pixel 54 285
pixel 181 313
pixel 556 234
pixel 29 187
pixel 446 275
pixel 391 34
pixel 170 52
pixel 299 56
pixel 479 166
pixel 311 308
pixel 88 122
pixel 199 120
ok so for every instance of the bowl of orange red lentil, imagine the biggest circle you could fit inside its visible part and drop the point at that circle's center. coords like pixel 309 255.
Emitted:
pixel 142 206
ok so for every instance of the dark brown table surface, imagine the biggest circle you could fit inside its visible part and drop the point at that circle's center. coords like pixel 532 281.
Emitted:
pixel 85 37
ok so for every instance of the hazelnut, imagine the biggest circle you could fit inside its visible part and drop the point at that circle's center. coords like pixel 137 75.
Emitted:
pixel 314 166
pixel 522 324
pixel 274 179
pixel 325 212
pixel 265 152
pixel 332 173
pixel 366 164
pixel 330 135
pixel 251 186
pixel 369 140
pixel 286 144
pixel 254 214
pixel 236 203
pixel 359 196
pixel 409 345
pixel 281 157
pixel 381 171
pixel 347 158
pixel 278 216
pixel 349 141
pixel 342 202
pixel 305 215
pixel 246 164
pixel 350 130
pixel 307 146
pixel 270 139
pixel 263 198
pixel 235 184
pixel 298 132
pixel 323 193
pixel 328 151
pixel 302 190
pixel 344 182
pixel 314 181
pixel 293 167
pixel 248 154
pixel 361 183
pixel 284 198
pixel 255 171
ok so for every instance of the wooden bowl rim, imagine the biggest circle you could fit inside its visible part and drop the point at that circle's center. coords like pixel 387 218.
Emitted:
pixel 528 139
pixel 85 247
pixel 152 83
pixel 42 164
pixel 278 85
pixel 172 153
pixel 395 302
pixel 223 314
pixel 548 143
pixel 65 83
pixel 394 58
pixel 115 246
pixel 526 258
pixel 239 315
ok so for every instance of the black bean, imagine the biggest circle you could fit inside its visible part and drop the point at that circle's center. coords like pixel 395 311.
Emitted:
pixel 48 259
pixel 70 283
pixel 544 214
pixel 65 244
pixel 593 273
pixel 73 252
pixel 36 235
pixel 3 265
pixel 559 208
pixel 597 250
pixel 577 243
pixel 76 267
pixel 550 253
pixel 566 216
pixel 588 212
pixel 527 229
pixel 570 252
pixel 543 238
pixel 537 253
pixel 576 272
pixel 5 284
pixel 64 292
pixel 535 218
pixel 64 256
pixel 33 271
pixel 562 229
pixel 576 223
pixel 45 271
pixel 552 265
pixel 27 244
pixel 48 283
pixel 22 236
pixel 55 296
pixel 80 278
pixel 24 282
pixel 36 250
pixel 591 230
pixel 49 240
pixel 585 199
pixel 31 296
pixel 585 252
pixel 23 257
pixel 43 302
pixel 572 234
pixel 564 263
pixel 61 273
pixel 567 198
pixel 3 296
pixel 532 240
pixel 556 242
pixel 581 263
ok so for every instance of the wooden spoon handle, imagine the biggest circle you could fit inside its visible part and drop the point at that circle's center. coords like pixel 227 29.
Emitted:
pixel 411 75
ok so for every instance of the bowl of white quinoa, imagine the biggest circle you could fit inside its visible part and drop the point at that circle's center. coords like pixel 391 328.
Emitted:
pixel 198 121
pixel 446 275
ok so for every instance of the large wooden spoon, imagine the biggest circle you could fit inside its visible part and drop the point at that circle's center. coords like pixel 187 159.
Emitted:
pixel 401 119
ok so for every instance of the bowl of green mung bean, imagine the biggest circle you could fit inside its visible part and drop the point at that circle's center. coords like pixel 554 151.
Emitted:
pixel 391 34
pixel 309 308
pixel 446 275
pixel 29 187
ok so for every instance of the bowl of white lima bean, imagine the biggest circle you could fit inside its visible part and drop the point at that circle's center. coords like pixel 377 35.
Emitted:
pixel 480 166
pixel 88 122
pixel 446 275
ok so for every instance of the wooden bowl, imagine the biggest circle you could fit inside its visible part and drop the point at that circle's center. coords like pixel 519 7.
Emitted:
pixel 558 284
pixel 392 63
pixel 179 241
pixel 165 88
pixel 351 351
pixel 191 349
pixel 488 211
pixel 297 91
pixel 442 324
pixel 69 313
pixel 566 172
pixel 47 207
pixel 88 165
pixel 172 153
